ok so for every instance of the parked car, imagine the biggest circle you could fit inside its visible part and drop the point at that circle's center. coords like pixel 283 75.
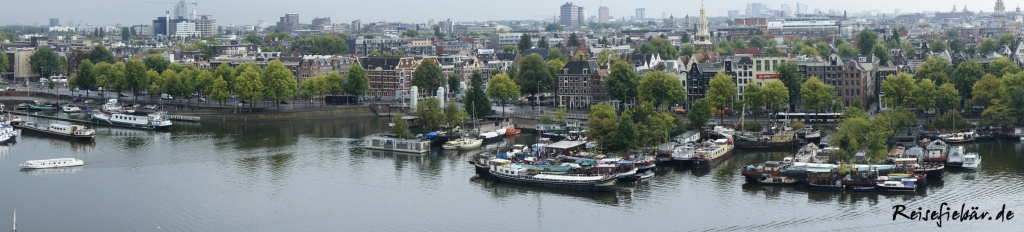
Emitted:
pixel 121 95
pixel 166 96
pixel 202 99
pixel 10 89
pixel 284 102
pixel 151 107
pixel 77 100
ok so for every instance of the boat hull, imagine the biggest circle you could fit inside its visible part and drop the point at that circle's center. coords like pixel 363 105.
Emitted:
pixel 819 187
pixel 605 185
pixel 43 132
pixel 766 145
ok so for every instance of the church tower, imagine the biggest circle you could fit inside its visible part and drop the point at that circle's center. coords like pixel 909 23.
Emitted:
pixel 702 40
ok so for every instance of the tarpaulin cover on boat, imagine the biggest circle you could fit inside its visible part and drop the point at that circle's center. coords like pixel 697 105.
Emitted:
pixel 432 135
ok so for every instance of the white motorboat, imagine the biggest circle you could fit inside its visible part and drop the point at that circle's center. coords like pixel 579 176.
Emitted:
pixel 450 145
pixel 971 160
pixel 71 109
pixel 469 143
pixel 955 157
pixel 963 137
pixel 52 163
pixel 392 143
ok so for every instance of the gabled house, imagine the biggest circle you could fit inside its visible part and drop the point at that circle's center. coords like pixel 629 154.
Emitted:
pixel 580 85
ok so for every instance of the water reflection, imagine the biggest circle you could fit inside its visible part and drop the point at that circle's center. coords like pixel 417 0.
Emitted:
pixel 51 171
pixel 78 146
pixel 502 190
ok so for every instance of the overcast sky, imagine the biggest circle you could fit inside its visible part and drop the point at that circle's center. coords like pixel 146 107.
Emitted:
pixel 241 12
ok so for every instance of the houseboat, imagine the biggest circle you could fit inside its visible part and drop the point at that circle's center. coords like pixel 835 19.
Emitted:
pixel 59 130
pixel 712 152
pixel 971 161
pixel 154 121
pixel 507 171
pixel 393 143
pixel 955 157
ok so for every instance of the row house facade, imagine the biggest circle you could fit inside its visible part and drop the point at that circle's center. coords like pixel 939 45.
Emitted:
pixel 580 84
pixel 312 66
pixel 700 75
pixel 388 75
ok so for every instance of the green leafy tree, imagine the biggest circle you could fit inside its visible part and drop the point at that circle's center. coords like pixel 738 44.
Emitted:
pixel 525 42
pixel 438 33
pixel 327 45
pixel 687 50
pixel 823 48
pixel 935 68
pixel 427 76
pixel 937 46
pixel 757 42
pixel 866 41
pixel 603 122
pixel 622 82
pixel 721 91
pixel 1002 66
pixel 556 54
pixel 949 97
pixel 400 127
pixel 220 92
pixel 429 113
pixel 965 76
pixel 625 133
pixel 507 48
pixel 817 95
pixel 250 86
pixel 956 45
pixel 226 72
pixel 574 41
pixel 543 42
pixel 44 61
pixel 898 90
pixel 660 88
pixel 332 83
pixel 157 63
pixel 100 53
pixel 278 82
pixel 136 77
pixel 553 27
pixel 789 73
pixel 753 97
pixel 454 83
pixel 554 67
pixel 4 64
pixel 411 33
pixel 476 100
pixel 85 79
pixel 988 46
pixel 776 95
pixel 500 87
pixel 533 75
pixel 454 115
pixel 604 56
pixel 117 78
pixel 882 53
pixel 989 91
pixel 925 94
pixel 847 50
pixel 700 113
pixel 358 82
pixel 661 47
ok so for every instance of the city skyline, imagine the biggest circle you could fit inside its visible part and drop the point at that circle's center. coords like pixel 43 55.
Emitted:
pixel 228 11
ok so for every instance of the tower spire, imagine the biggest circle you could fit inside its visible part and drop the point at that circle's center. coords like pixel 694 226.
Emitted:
pixel 702 42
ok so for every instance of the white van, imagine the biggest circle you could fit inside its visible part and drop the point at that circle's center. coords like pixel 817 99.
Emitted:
pixel 165 96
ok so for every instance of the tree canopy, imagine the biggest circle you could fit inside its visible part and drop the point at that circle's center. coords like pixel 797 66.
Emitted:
pixel 622 82
pixel 427 76
pixel 660 88
pixel 44 61
pixel 500 87
pixel 789 73
pixel 532 72
pixel 817 95
pixel 100 53
pixel 866 41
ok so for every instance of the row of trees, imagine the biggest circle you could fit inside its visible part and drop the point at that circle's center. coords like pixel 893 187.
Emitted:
pixel 156 76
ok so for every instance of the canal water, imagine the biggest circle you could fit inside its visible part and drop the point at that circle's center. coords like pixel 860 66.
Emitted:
pixel 313 176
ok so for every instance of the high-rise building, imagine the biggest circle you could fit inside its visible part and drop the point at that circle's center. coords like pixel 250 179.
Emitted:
pixel 181 10
pixel 54 22
pixel 289 23
pixel 357 25
pixel 602 14
pixel 160 26
pixel 641 14
pixel 206 25
pixel 320 23
pixel 582 20
pixel 447 27
pixel 569 15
